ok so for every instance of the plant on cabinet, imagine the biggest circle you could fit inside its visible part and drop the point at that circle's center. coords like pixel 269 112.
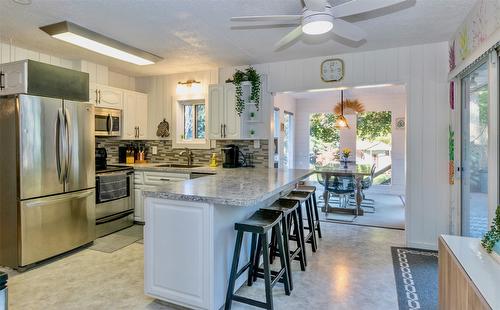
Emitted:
pixel 239 77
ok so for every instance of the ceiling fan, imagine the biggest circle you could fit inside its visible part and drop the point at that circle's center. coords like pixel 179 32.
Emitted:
pixel 319 17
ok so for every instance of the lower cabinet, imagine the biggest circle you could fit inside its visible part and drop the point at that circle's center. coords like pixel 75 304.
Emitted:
pixel 149 180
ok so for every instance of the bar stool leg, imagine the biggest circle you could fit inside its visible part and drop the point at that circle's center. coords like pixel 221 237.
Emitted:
pixel 310 222
pixel 283 259
pixel 234 270
pixel 267 271
pixel 252 259
pixel 316 212
pixel 302 232
pixel 286 248
pixel 300 240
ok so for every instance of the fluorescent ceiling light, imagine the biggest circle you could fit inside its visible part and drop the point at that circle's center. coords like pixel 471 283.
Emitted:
pixel 325 89
pixel 373 86
pixel 317 27
pixel 98 43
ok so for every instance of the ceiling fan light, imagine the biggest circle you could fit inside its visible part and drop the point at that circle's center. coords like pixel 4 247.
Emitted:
pixel 317 27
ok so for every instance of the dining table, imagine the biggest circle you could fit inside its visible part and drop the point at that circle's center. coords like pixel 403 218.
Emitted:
pixel 358 171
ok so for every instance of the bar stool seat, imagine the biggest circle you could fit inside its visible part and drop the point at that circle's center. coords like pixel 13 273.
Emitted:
pixel 259 224
pixel 312 190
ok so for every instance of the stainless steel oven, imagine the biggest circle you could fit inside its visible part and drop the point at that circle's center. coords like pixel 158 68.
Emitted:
pixel 108 122
pixel 114 200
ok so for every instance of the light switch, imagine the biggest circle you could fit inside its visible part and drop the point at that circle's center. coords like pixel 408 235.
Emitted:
pixel 154 150
pixel 256 144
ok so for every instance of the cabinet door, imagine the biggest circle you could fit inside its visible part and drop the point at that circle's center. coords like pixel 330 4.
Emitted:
pixel 93 93
pixel 138 205
pixel 141 115
pixel 129 116
pixel 215 111
pixel 110 97
pixel 231 118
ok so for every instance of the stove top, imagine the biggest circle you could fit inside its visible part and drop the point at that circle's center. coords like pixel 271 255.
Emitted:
pixel 111 168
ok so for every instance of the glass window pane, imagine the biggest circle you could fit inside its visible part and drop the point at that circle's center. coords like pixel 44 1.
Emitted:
pixel 200 121
pixel 188 122
pixel 324 139
pixel 374 145
pixel 475 153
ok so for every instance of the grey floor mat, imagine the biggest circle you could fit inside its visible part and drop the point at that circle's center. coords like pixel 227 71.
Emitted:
pixel 118 240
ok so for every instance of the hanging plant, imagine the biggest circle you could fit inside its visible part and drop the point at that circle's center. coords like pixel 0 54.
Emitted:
pixel 238 77
pixel 254 79
pixel 250 75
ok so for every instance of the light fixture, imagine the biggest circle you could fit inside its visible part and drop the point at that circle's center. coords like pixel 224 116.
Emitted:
pixel 99 43
pixel 341 121
pixel 22 2
pixel 316 23
pixel 373 86
pixel 320 90
pixel 188 87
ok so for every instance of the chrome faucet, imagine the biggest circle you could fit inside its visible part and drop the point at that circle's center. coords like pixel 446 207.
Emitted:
pixel 189 155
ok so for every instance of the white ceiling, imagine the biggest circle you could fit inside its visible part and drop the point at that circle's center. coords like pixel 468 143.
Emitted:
pixel 196 35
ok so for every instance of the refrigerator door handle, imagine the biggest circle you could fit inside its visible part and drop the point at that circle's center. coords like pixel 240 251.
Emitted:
pixel 69 145
pixel 51 200
pixel 59 147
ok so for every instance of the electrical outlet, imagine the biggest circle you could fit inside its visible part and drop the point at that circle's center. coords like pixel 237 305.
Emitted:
pixel 154 150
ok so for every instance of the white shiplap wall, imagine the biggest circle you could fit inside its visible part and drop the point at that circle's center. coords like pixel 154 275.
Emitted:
pixel 423 69
pixel 9 53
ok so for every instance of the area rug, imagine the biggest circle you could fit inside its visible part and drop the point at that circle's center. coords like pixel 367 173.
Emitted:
pixel 416 273
pixel 118 240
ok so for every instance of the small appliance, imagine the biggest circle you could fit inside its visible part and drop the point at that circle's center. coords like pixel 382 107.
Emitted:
pixel 231 156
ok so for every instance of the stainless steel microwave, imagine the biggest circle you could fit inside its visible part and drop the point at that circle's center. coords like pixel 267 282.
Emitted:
pixel 108 122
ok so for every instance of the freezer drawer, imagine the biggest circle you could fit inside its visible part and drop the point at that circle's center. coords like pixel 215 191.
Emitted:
pixel 56 224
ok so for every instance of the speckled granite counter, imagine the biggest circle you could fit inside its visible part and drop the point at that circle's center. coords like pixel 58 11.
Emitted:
pixel 233 187
pixel 158 167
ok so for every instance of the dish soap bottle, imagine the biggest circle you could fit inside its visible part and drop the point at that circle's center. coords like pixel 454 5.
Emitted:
pixel 213 161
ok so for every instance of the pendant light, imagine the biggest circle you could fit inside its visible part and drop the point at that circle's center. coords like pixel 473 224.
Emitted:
pixel 341 121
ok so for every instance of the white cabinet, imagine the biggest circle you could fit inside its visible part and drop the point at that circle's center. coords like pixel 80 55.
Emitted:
pixel 149 180
pixel 223 120
pixel 106 96
pixel 135 115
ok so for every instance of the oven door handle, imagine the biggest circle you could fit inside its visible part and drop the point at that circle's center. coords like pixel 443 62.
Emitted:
pixel 114 217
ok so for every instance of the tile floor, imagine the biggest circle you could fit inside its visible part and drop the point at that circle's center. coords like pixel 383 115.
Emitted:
pixel 351 270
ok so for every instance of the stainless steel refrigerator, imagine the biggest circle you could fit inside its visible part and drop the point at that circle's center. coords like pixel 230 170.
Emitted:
pixel 47 163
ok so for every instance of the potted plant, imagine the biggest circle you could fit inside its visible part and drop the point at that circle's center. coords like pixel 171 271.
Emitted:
pixel 252 116
pixel 491 240
pixel 239 77
pixel 252 133
pixel 346 152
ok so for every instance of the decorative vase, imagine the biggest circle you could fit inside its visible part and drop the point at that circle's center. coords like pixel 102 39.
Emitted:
pixel 345 162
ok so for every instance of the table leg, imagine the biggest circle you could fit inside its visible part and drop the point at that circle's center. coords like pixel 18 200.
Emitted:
pixel 326 195
pixel 359 195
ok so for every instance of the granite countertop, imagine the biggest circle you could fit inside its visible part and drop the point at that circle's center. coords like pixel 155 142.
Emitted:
pixel 232 187
pixel 483 269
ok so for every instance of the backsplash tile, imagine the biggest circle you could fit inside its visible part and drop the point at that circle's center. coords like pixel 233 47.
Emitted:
pixel 166 154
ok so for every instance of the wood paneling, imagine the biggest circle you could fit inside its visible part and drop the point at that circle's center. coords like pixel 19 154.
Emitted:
pixel 456 290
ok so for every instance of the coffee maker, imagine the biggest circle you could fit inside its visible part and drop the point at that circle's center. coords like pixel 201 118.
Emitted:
pixel 231 156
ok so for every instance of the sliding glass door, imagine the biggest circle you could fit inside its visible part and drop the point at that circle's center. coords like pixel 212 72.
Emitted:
pixel 474 157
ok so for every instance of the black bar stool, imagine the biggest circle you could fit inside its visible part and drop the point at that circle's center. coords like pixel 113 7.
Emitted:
pixel 304 197
pixel 258 225
pixel 312 191
pixel 288 208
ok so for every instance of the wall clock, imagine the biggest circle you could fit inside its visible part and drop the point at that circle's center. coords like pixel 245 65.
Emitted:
pixel 332 70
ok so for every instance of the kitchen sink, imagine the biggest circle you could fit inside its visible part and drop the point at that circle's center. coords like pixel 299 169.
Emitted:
pixel 177 166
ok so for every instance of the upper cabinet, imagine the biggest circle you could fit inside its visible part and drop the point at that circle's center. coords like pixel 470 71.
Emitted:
pixel 135 116
pixel 224 121
pixel 106 96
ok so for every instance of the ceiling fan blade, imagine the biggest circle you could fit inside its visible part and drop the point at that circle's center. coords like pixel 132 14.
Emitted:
pixel 289 38
pixel 316 5
pixel 361 6
pixel 348 30
pixel 267 18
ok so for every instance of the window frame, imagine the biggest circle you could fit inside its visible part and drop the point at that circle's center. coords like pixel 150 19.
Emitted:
pixel 179 140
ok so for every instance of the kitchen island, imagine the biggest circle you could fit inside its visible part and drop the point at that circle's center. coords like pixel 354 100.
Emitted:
pixel 189 233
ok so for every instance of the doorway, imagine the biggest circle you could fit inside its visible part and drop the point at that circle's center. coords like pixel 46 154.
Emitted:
pixel 474 180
